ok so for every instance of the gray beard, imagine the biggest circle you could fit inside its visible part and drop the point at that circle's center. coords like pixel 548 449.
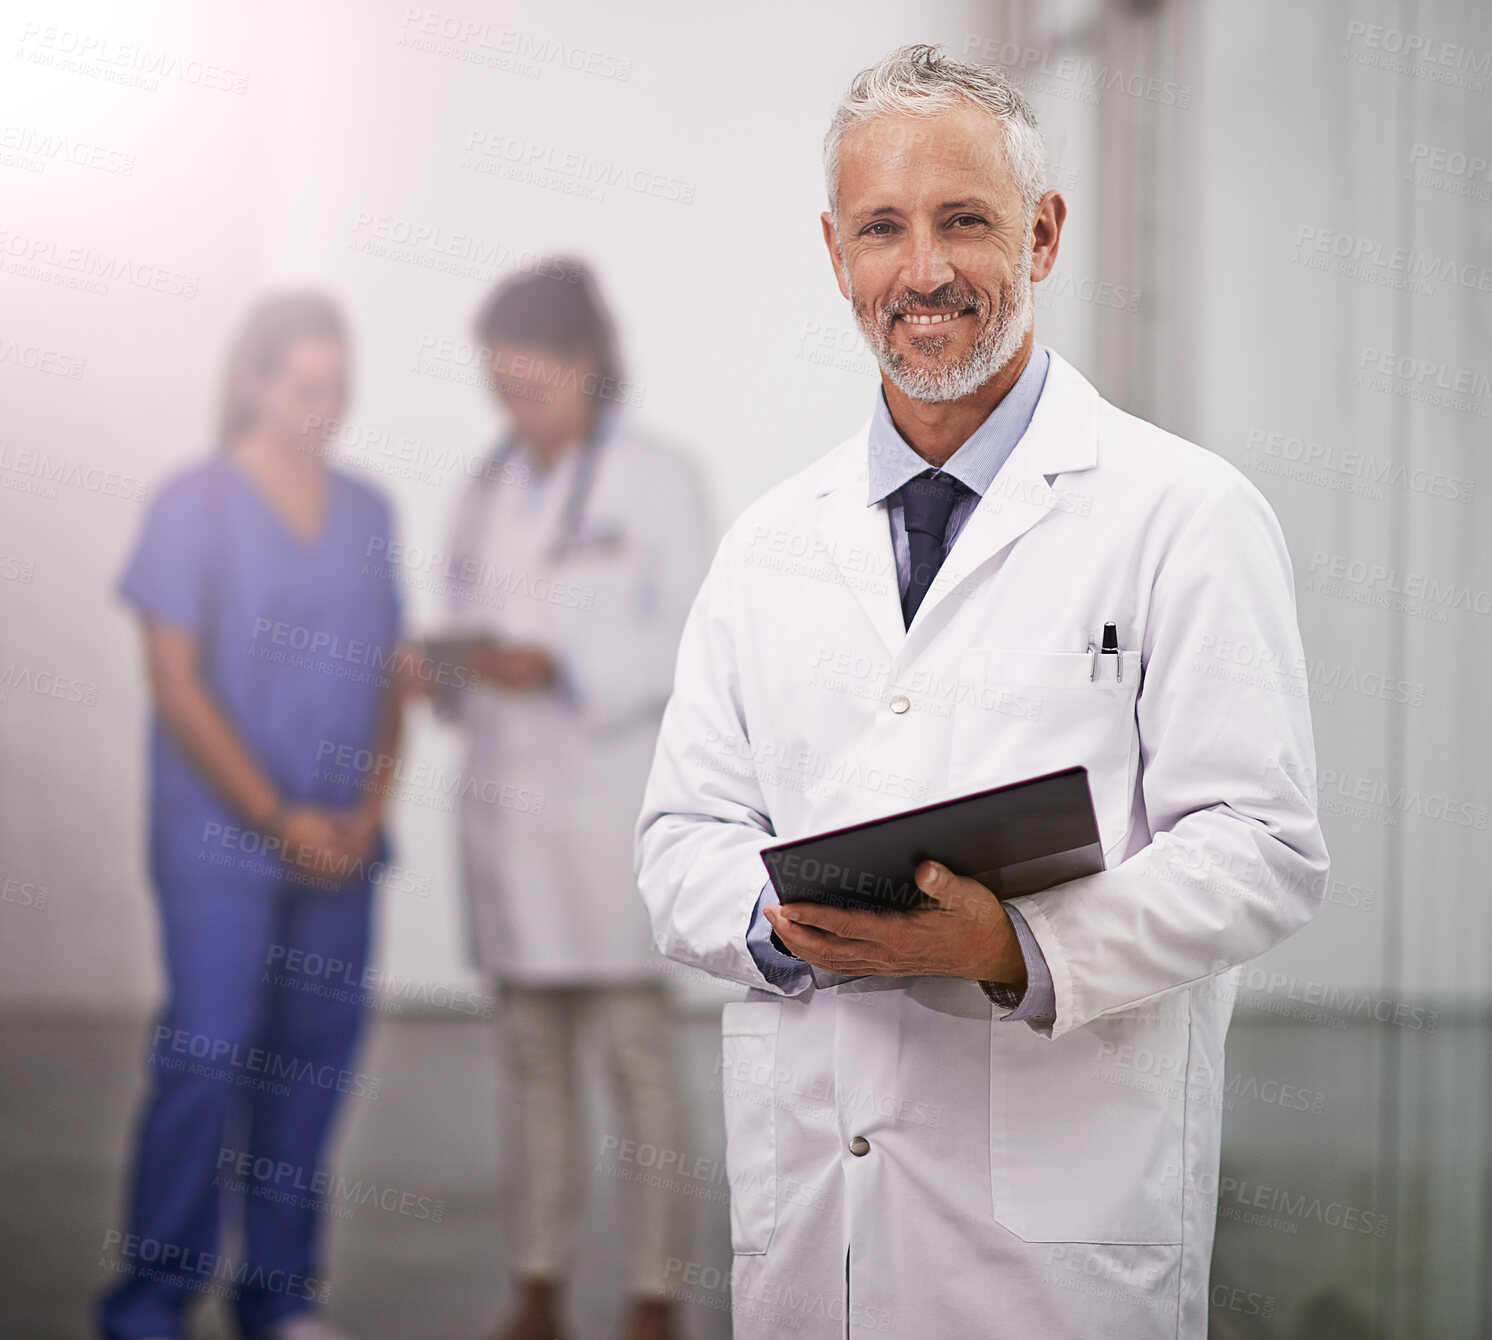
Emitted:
pixel 992 349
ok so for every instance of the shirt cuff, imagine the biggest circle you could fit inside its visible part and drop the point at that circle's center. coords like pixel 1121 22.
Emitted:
pixel 1037 1007
pixel 784 970
pixel 780 969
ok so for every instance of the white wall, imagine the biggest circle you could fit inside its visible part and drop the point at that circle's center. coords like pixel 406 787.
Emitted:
pixel 723 301
pixel 347 120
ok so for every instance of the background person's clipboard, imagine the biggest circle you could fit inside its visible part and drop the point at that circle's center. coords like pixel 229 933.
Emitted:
pixel 454 648
pixel 1013 839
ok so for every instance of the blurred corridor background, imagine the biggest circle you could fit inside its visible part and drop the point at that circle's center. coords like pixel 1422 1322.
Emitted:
pixel 1279 245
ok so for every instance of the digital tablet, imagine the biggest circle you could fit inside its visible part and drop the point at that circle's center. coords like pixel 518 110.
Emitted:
pixel 1013 839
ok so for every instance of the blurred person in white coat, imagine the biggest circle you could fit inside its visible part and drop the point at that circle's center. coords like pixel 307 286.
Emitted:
pixel 577 549
pixel 946 1122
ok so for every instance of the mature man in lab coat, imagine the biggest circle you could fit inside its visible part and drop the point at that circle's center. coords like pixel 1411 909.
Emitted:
pixel 947 1122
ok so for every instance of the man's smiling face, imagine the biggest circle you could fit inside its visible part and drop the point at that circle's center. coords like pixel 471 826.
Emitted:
pixel 934 248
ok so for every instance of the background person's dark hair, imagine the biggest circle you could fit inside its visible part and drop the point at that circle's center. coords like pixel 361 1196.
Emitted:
pixel 561 311
pixel 271 327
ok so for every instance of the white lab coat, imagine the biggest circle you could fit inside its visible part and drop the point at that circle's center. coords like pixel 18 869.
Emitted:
pixel 1016 1184
pixel 552 779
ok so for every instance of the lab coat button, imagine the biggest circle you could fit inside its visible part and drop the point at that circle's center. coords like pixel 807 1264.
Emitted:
pixel 859 1146
pixel 900 703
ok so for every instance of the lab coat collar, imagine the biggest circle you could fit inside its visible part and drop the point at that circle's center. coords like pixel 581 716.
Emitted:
pixel 1062 438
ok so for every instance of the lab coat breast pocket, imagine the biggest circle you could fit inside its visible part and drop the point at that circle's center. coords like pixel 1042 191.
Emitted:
pixel 1087 1132
pixel 1023 713
pixel 599 569
pixel 747 1071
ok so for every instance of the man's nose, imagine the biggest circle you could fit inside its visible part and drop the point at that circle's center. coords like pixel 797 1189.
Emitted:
pixel 927 265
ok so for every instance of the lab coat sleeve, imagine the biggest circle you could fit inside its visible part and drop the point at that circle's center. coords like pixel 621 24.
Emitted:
pixel 627 673
pixel 1237 861
pixel 704 818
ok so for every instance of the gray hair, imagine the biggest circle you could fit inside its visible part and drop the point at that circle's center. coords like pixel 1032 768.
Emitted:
pixel 919 80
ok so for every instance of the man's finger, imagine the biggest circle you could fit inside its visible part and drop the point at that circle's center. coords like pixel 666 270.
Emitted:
pixel 847 964
pixel 795 934
pixel 808 942
pixel 950 892
pixel 824 949
pixel 937 881
pixel 847 923
pixel 855 968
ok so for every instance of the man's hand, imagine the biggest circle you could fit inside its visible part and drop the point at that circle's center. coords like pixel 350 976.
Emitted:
pixel 963 933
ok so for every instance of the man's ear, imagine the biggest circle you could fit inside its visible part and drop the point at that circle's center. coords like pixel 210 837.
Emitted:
pixel 836 256
pixel 1046 234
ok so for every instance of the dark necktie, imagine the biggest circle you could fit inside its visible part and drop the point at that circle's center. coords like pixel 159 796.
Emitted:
pixel 926 504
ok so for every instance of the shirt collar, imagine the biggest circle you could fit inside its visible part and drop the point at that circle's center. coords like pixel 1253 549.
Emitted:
pixel 978 460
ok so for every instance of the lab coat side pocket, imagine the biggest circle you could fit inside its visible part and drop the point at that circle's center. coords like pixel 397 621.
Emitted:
pixel 1087 1132
pixel 748 1067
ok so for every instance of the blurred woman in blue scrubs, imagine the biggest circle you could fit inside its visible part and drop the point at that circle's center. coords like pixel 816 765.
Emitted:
pixel 270 625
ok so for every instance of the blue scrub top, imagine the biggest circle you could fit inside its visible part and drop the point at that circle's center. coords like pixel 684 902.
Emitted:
pixel 297 642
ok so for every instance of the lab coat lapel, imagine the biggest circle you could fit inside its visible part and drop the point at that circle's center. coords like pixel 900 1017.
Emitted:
pixel 858 540
pixel 1062 437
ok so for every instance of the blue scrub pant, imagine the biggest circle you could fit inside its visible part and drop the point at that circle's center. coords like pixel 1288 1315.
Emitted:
pixel 248 1063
